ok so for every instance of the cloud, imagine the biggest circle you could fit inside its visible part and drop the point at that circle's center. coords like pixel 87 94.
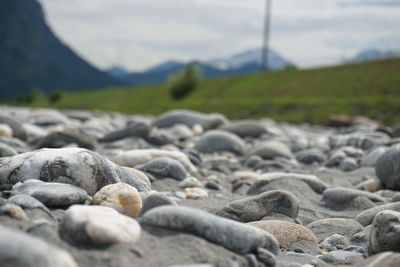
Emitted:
pixel 140 33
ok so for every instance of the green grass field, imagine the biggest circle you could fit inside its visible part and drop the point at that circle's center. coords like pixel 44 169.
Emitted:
pixel 368 89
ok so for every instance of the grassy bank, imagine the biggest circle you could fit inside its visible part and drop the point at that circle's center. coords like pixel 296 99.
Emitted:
pixel 369 89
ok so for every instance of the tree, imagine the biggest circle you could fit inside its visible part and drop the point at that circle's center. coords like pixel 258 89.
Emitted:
pixel 183 83
pixel 55 96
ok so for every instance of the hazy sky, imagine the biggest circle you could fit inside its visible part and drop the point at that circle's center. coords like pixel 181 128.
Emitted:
pixel 137 34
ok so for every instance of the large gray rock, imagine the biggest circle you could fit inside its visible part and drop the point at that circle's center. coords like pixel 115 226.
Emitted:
pixel 28 202
pixel 164 168
pixel 388 169
pixel 245 129
pixel 235 236
pixel 97 225
pixel 220 141
pixel 256 207
pixel 52 194
pixel 7 151
pixel 385 232
pixel 18 249
pixel 365 217
pixel 190 119
pixel 156 200
pixel 80 167
pixel 372 158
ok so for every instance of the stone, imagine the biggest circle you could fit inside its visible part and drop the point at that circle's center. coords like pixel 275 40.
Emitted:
pixel 365 217
pixel 79 167
pixel 387 259
pixel 14 211
pixel 190 119
pixel 28 202
pixel 385 232
pixel 348 164
pixel 341 198
pixel 16 127
pixel 263 180
pixel 340 257
pixel 372 158
pixel 164 168
pixel 132 158
pixel 121 197
pixel 326 227
pixel 59 139
pixel 334 242
pixel 271 150
pixel 5 130
pixel 195 193
pixel 235 236
pixel 310 156
pixel 190 182
pixel 339 121
pixel 220 141
pixel 28 251
pixel 245 129
pixel 7 151
pixel 97 225
pixel 156 200
pixel 140 129
pixel 286 233
pixel 256 207
pixel 52 194
pixel 388 169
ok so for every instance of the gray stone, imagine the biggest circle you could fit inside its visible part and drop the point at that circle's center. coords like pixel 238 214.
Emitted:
pixel 387 259
pixel 372 158
pixel 245 129
pixel 28 202
pixel 17 127
pixel 190 119
pixel 140 129
pixel 388 169
pixel 348 164
pixel 220 141
pixel 264 180
pixel 156 200
pixel 232 235
pixel 52 194
pixel 339 198
pixel 385 232
pixel 271 150
pixel 254 208
pixel 340 257
pixel 65 137
pixel 7 151
pixel 365 217
pixel 326 227
pixel 334 242
pixel 310 156
pixel 18 249
pixel 80 167
pixel 164 167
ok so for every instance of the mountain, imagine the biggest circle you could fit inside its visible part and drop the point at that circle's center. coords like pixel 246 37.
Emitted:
pixel 32 57
pixel 275 61
pixel 239 64
pixel 117 72
pixel 373 54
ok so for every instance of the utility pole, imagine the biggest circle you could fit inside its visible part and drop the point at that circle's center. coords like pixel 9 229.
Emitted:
pixel 267 25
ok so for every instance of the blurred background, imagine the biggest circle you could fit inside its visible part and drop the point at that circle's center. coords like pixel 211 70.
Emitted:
pixel 323 57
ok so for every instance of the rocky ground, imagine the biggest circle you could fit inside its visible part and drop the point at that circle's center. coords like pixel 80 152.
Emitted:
pixel 188 189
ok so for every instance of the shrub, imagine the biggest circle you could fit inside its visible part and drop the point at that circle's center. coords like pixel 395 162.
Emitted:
pixel 183 83
pixel 55 96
